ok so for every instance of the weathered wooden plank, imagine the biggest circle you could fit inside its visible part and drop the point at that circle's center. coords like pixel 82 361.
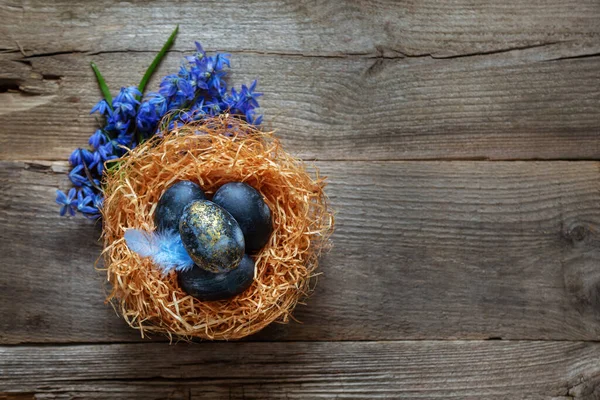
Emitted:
pixel 49 286
pixel 412 370
pixel 423 250
pixel 441 29
pixel 106 389
pixel 503 106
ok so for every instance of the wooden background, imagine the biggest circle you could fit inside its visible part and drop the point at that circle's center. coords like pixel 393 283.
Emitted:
pixel 462 143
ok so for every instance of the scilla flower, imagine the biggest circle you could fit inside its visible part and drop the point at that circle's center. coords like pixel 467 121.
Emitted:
pixel 126 102
pixel 197 91
pixel 66 201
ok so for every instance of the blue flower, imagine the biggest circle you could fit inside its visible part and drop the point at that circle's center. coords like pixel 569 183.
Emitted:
pixel 221 60
pixel 208 65
pixel 147 117
pixel 101 107
pixel 128 95
pixel 213 108
pixel 198 111
pixel 177 102
pixel 96 164
pixel 198 78
pixel 66 201
pixel 216 80
pixel 249 96
pixel 98 201
pixel 85 204
pixel 199 55
pixel 196 92
pixel 104 153
pixel 186 89
pixel 126 101
pixel 220 89
pixel 80 156
pixel 251 118
pixel 122 126
pixel 199 49
pixel 126 109
pixel 184 73
pixel 77 176
pixel 88 191
pixel 168 85
pixel 96 204
pixel 125 139
pixel 118 123
pixel 159 102
pixel 231 100
pixel 98 139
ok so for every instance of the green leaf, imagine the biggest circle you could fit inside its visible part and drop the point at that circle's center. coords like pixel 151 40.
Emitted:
pixel 157 60
pixel 102 84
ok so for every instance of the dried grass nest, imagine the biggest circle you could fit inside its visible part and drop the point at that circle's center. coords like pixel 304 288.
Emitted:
pixel 212 153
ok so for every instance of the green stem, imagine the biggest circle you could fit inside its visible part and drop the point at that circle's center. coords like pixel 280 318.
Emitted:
pixel 157 60
pixel 102 84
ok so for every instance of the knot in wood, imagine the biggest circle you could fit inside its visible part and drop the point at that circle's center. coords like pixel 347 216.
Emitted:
pixel 576 233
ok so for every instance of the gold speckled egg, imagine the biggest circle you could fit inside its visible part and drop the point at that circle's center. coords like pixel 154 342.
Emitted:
pixel 211 236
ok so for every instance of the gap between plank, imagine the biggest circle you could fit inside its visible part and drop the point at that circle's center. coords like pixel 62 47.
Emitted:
pixel 166 341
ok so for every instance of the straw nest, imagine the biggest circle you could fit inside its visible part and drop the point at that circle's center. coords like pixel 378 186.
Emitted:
pixel 217 151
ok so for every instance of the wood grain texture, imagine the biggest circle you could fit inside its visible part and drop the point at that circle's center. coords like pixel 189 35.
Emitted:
pixel 424 27
pixel 106 389
pixel 423 250
pixel 517 105
pixel 408 370
pixel 376 90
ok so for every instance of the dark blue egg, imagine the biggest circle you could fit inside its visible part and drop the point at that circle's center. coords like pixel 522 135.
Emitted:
pixel 249 209
pixel 208 286
pixel 173 201
pixel 211 236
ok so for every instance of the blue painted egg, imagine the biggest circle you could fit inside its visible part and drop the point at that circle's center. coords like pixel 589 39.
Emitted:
pixel 211 236
pixel 208 286
pixel 171 204
pixel 249 209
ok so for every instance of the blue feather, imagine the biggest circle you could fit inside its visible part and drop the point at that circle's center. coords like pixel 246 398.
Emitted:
pixel 165 248
pixel 141 242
